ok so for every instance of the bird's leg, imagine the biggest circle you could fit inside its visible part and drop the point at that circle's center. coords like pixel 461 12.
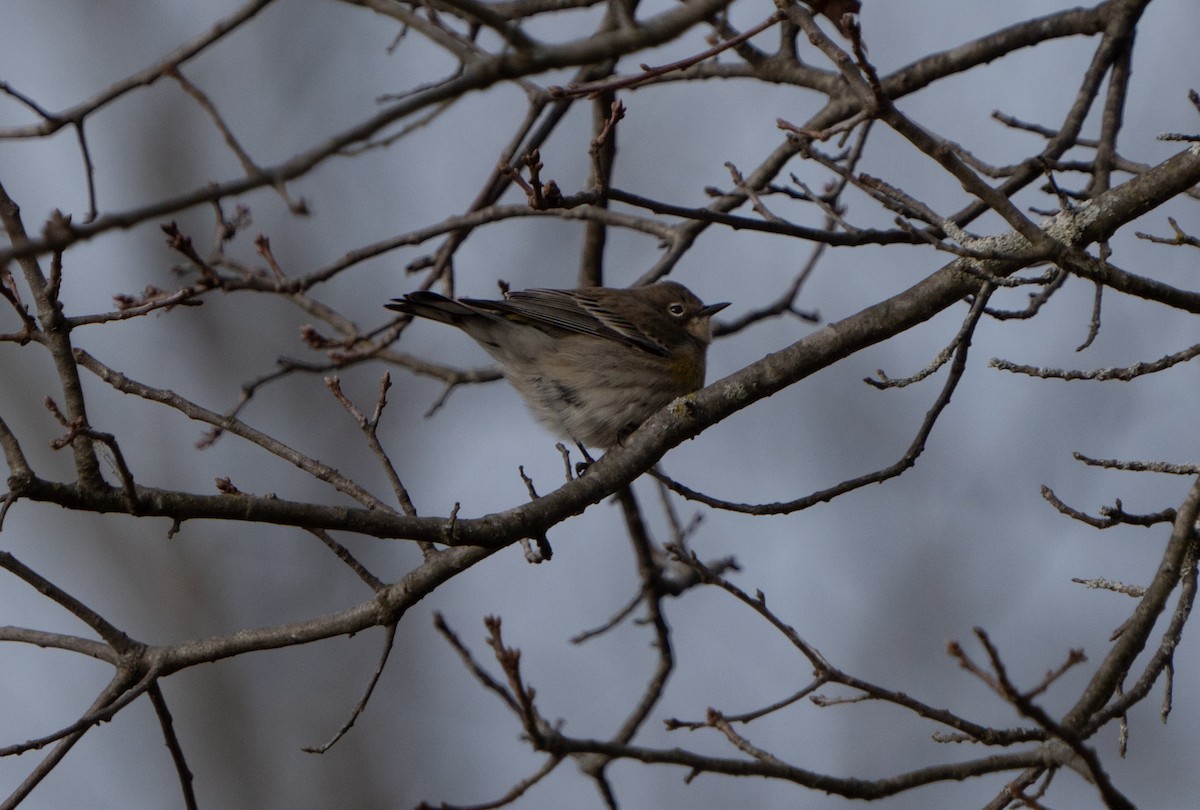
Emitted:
pixel 582 466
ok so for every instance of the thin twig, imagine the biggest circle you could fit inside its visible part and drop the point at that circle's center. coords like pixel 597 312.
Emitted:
pixel 388 643
pixel 648 72
pixel 167 724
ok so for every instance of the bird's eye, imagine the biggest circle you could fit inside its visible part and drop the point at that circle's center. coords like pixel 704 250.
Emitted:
pixel 676 309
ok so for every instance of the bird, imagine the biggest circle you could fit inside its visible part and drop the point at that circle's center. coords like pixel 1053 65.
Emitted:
pixel 591 363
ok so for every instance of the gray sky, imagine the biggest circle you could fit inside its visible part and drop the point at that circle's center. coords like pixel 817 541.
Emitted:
pixel 879 580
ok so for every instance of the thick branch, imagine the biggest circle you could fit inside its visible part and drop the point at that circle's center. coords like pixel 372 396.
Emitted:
pixel 683 419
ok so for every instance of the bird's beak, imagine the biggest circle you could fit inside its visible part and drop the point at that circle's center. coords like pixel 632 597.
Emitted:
pixel 711 309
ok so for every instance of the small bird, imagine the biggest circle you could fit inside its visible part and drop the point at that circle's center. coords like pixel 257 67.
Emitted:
pixel 592 363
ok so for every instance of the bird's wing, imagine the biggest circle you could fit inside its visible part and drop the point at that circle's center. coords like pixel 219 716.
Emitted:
pixel 575 311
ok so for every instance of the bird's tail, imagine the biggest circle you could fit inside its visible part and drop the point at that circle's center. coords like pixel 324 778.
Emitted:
pixel 433 306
